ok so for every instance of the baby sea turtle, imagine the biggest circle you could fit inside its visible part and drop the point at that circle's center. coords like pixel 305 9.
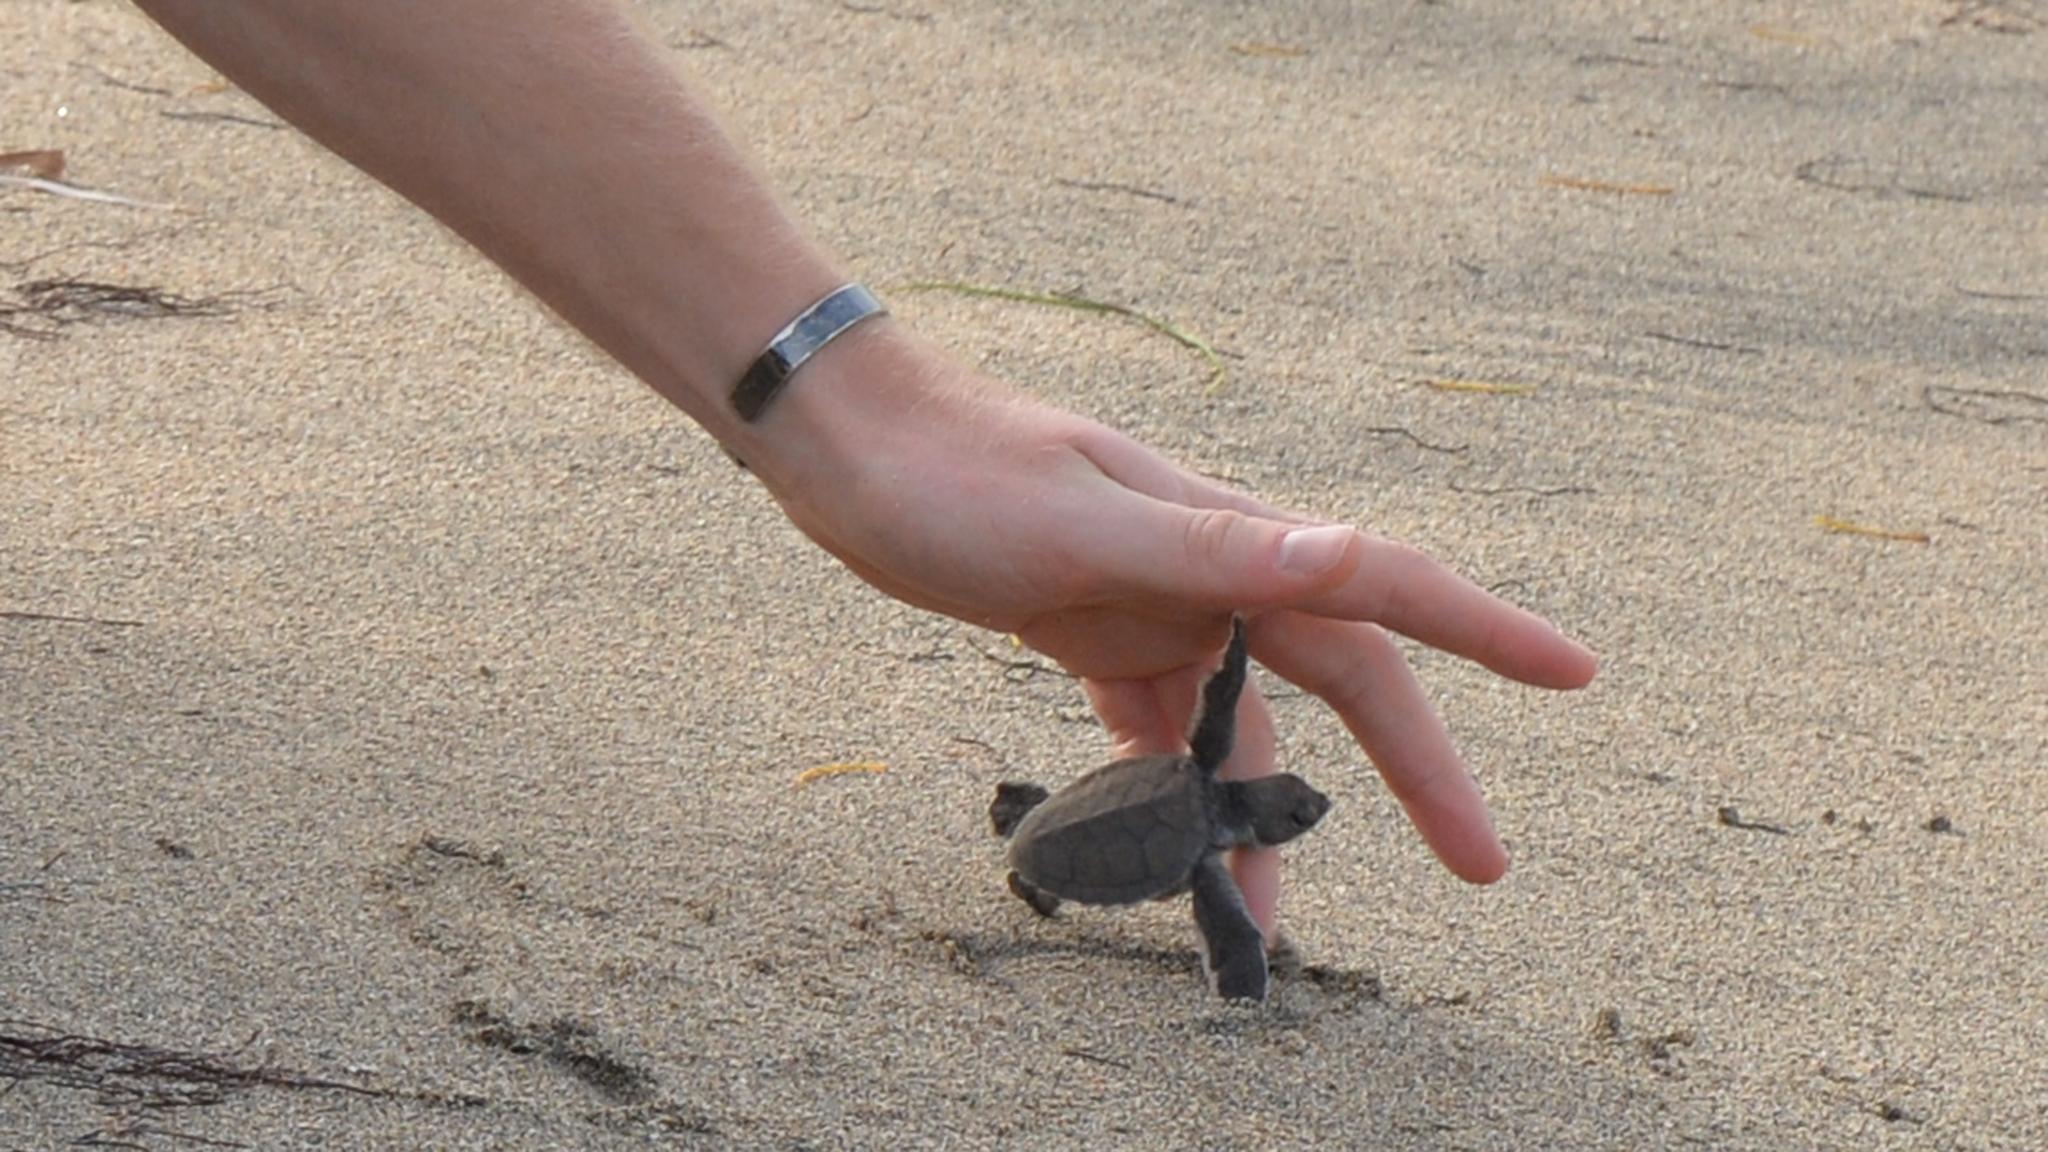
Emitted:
pixel 1152 827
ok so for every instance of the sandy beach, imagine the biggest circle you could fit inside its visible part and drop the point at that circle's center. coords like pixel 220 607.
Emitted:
pixel 401 707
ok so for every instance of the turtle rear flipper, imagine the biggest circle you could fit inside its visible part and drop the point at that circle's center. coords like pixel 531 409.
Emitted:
pixel 1233 948
pixel 1013 802
pixel 1042 902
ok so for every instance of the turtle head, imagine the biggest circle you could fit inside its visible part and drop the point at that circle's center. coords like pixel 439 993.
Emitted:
pixel 1281 807
pixel 1012 804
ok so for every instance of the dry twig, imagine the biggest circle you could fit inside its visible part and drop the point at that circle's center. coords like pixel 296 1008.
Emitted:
pixel 1219 375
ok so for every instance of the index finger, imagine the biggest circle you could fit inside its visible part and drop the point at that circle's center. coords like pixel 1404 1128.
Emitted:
pixel 1403 588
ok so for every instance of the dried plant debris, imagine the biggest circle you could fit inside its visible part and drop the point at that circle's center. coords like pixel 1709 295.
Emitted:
pixel 72 301
pixel 1139 191
pixel 113 81
pixel 454 849
pixel 41 163
pixel 1987 405
pixel 1709 345
pixel 1481 387
pixel 39 890
pixel 1098 1058
pixel 1349 984
pixel 1607 1025
pixel 1997 294
pixel 1892 1112
pixel 1830 817
pixel 1776 35
pixel 1270 51
pixel 59 618
pixel 1835 527
pixel 44 308
pixel 1546 493
pixel 1854 175
pixel 1597 59
pixel 1019 669
pixel 123 1075
pixel 2011 17
pixel 1583 184
pixel 224 118
pixel 1412 438
pixel 821 771
pixel 569 1045
pixel 36 890
pixel 1728 816
pixel 56 187
pixel 1218 374
pixel 891 13
pixel 1665 1052
pixel 210 88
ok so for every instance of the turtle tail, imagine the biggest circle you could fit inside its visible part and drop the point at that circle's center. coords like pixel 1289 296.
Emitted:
pixel 1211 739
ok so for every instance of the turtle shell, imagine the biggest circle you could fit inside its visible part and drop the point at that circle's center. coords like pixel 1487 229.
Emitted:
pixel 1126 832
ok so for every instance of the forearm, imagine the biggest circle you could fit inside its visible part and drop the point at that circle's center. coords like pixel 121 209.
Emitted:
pixel 556 139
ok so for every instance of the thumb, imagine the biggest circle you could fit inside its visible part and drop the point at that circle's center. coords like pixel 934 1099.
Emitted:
pixel 1225 558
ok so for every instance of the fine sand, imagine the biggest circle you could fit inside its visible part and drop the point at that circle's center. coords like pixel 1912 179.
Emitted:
pixel 400 706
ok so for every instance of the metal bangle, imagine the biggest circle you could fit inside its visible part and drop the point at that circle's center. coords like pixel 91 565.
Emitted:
pixel 814 327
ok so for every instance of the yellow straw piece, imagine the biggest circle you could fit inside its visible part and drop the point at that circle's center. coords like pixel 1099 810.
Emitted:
pixel 1782 36
pixel 808 775
pixel 1848 528
pixel 1270 51
pixel 1485 386
pixel 1582 184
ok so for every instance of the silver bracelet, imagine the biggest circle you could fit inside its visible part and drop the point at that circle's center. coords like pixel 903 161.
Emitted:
pixel 814 327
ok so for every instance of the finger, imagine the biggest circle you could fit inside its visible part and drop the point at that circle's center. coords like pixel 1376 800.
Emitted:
pixel 1404 589
pixel 1141 469
pixel 1360 673
pixel 1111 644
pixel 1153 714
pixel 1391 584
pixel 1186 538
pixel 1150 551
pixel 1144 717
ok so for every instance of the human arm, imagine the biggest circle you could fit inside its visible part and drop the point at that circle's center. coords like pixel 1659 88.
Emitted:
pixel 558 140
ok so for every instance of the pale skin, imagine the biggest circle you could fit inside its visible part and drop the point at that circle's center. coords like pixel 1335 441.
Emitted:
pixel 562 143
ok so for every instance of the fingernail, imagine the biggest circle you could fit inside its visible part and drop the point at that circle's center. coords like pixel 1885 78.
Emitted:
pixel 1313 551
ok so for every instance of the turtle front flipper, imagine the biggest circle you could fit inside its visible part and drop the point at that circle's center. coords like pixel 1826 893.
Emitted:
pixel 1215 728
pixel 1233 948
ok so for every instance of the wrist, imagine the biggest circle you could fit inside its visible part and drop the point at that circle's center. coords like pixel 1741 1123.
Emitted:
pixel 836 313
pixel 838 411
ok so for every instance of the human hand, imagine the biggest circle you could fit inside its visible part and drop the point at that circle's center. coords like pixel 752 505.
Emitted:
pixel 949 491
